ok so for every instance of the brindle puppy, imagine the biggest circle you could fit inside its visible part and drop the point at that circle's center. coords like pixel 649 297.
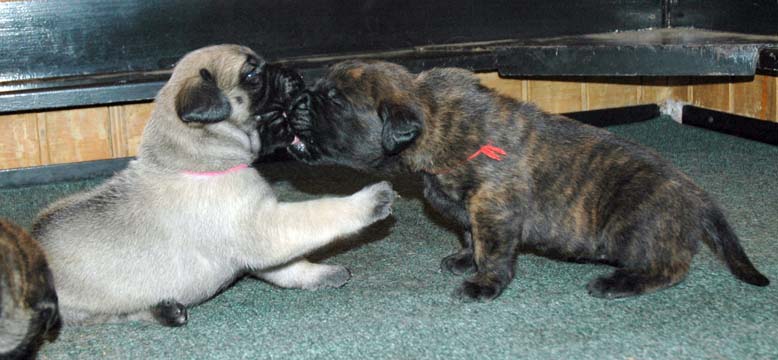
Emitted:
pixel 28 302
pixel 517 178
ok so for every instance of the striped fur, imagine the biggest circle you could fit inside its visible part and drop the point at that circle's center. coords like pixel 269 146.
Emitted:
pixel 28 302
pixel 561 189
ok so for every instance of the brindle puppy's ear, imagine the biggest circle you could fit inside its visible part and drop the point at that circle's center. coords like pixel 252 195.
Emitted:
pixel 200 100
pixel 402 125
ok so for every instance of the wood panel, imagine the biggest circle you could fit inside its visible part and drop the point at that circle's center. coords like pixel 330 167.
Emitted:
pixel 755 98
pixel 77 135
pixel 716 95
pixel 557 96
pixel 514 88
pixel 775 100
pixel 657 90
pixel 30 139
pixel 118 129
pixel 129 122
pixel 19 142
pixel 601 95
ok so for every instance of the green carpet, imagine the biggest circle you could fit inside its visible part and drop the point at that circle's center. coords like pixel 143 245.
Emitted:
pixel 398 304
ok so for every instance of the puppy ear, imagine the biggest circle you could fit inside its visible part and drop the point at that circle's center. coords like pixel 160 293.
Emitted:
pixel 200 100
pixel 402 125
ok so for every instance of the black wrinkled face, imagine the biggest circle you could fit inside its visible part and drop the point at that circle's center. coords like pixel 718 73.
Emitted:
pixel 272 89
pixel 330 128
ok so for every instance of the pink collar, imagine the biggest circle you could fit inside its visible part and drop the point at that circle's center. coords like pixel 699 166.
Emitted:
pixel 208 174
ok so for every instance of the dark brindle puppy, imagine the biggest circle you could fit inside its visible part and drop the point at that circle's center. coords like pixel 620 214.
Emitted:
pixel 517 178
pixel 28 302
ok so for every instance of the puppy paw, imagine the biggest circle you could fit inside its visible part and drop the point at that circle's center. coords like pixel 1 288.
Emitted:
pixel 170 313
pixel 382 197
pixel 334 276
pixel 459 263
pixel 478 290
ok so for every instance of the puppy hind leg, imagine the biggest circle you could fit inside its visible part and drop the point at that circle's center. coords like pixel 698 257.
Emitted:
pixel 629 282
pixel 303 274
pixel 655 271
pixel 170 313
pixel 651 259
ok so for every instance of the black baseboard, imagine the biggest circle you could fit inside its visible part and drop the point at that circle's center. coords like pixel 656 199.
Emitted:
pixel 38 175
pixel 616 116
pixel 737 125
pixel 45 174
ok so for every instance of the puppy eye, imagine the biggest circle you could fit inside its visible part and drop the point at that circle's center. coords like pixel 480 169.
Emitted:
pixel 252 76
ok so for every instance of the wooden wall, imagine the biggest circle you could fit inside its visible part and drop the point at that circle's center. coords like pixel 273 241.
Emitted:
pixel 62 136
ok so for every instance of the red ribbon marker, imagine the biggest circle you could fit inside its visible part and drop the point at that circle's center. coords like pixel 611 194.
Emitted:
pixel 489 150
pixel 493 152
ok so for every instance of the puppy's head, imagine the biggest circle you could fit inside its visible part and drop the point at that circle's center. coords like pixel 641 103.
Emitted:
pixel 361 114
pixel 231 86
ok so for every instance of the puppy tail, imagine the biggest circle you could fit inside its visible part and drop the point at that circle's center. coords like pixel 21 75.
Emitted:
pixel 725 244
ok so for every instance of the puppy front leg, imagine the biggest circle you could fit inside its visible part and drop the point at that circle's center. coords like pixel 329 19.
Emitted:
pixel 303 274
pixel 291 230
pixel 460 262
pixel 494 243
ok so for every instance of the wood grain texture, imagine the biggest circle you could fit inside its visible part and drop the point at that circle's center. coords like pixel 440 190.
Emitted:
pixel 655 90
pixel 135 118
pixel 78 135
pixel 514 88
pixel 755 98
pixel 557 96
pixel 19 143
pixel 118 131
pixel 775 100
pixel 623 92
pixel 127 123
pixel 714 94
pixel 40 119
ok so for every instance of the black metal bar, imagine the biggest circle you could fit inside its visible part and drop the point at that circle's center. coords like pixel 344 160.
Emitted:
pixel 53 98
pixel 616 116
pixel 61 172
pixel 741 126
pixel 629 60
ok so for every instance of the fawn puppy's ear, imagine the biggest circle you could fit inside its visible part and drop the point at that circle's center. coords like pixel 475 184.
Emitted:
pixel 201 101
